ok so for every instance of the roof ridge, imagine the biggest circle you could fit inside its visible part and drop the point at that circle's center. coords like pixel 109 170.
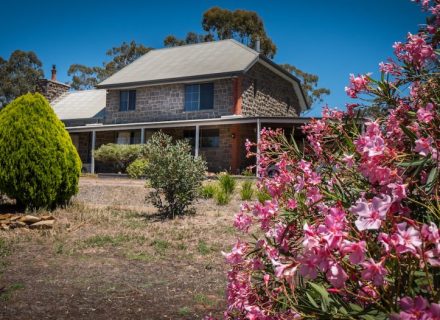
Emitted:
pixel 242 45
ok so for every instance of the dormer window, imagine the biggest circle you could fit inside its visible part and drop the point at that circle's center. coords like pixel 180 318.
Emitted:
pixel 199 96
pixel 127 100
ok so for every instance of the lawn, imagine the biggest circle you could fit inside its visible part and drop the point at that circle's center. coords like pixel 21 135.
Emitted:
pixel 110 256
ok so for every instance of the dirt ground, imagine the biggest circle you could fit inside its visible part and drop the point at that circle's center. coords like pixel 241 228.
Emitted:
pixel 111 257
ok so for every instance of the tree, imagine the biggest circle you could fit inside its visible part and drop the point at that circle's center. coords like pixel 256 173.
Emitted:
pixel 246 27
pixel 19 75
pixel 39 165
pixel 84 77
pixel 309 83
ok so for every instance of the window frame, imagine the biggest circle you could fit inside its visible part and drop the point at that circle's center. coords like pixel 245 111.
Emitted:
pixel 193 97
pixel 130 100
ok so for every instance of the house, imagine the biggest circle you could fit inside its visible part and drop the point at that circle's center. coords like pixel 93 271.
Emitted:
pixel 216 94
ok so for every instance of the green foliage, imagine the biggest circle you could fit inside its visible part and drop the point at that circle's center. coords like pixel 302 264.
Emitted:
pixel 119 155
pixel 227 182
pixel 222 197
pixel 309 83
pixel 174 173
pixel 84 77
pixel 19 75
pixel 207 191
pixel 262 196
pixel 137 168
pixel 39 165
pixel 247 190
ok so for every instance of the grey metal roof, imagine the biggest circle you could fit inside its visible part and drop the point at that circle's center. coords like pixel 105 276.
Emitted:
pixel 196 60
pixel 84 104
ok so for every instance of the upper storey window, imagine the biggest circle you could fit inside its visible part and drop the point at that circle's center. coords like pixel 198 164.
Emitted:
pixel 199 96
pixel 127 100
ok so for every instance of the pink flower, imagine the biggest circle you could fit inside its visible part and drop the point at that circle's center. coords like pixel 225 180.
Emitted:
pixel 398 190
pixel 349 160
pixel 357 85
pixel 417 308
pixel 373 272
pixel 237 253
pixel 407 239
pixel 425 114
pixel 291 204
pixel 371 214
pixel 336 275
pixel 242 221
pixel 423 146
pixel 356 251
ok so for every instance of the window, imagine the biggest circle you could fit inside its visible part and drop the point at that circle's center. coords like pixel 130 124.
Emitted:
pixel 209 138
pixel 127 100
pixel 128 137
pixel 199 96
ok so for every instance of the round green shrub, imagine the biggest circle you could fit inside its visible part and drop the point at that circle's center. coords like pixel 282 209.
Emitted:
pixel 39 165
pixel 137 168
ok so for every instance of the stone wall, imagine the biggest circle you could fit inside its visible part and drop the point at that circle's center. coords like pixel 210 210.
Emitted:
pixel 267 94
pixel 51 89
pixel 166 102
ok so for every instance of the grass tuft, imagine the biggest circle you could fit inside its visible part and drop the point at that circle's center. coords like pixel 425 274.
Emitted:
pixel 227 182
pixel 247 190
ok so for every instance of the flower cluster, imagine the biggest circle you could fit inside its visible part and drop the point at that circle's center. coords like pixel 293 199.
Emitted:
pixel 352 226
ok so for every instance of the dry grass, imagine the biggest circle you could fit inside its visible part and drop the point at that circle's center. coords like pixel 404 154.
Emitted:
pixel 111 257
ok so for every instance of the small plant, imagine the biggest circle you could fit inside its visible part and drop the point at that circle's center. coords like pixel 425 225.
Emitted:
pixel 222 197
pixel 203 248
pixel 136 169
pixel 263 196
pixel 174 173
pixel 247 190
pixel 208 191
pixel 119 155
pixel 227 182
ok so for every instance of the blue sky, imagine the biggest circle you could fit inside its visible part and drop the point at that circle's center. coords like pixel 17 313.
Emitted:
pixel 329 38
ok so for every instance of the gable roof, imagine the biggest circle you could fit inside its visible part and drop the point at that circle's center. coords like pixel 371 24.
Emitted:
pixel 83 104
pixel 205 60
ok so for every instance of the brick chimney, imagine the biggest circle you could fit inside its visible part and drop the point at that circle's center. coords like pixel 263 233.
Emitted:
pixel 54 73
pixel 52 89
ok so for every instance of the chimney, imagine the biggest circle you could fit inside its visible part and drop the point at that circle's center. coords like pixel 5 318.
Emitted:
pixel 258 45
pixel 54 73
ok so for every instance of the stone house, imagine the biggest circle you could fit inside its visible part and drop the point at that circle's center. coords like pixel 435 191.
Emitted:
pixel 215 94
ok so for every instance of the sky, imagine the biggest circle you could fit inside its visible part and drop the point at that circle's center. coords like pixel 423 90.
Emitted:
pixel 329 38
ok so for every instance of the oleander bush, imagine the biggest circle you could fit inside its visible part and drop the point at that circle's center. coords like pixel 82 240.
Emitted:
pixel 175 175
pixel 351 229
pixel 39 165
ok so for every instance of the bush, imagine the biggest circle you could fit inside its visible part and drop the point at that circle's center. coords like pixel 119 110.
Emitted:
pixel 39 165
pixel 222 197
pixel 208 190
pixel 137 168
pixel 227 182
pixel 247 190
pixel 119 155
pixel 352 227
pixel 174 173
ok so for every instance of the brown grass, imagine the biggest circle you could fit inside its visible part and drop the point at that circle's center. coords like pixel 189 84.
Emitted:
pixel 111 257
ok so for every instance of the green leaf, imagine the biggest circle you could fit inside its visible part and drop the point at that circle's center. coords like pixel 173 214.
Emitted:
pixel 411 135
pixel 312 301
pixel 431 179
pixel 414 163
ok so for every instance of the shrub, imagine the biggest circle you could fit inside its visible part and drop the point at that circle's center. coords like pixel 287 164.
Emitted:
pixel 227 182
pixel 247 190
pixel 222 197
pixel 119 155
pixel 39 165
pixel 174 173
pixel 352 227
pixel 137 168
pixel 208 190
